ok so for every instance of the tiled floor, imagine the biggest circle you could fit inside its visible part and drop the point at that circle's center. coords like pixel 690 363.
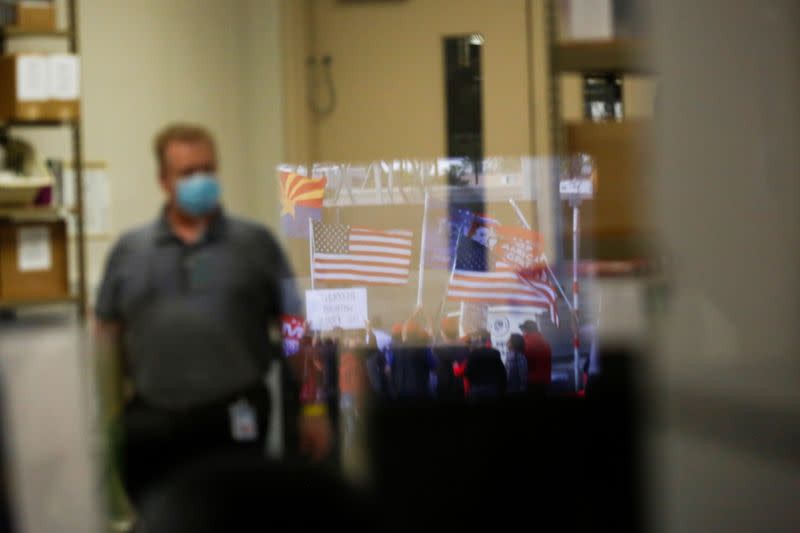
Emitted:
pixel 45 389
pixel 53 449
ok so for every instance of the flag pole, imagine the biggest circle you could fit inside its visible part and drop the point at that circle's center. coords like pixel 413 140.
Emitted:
pixel 575 249
pixel 423 238
pixel 525 224
pixel 311 250
pixel 574 306
pixel 452 274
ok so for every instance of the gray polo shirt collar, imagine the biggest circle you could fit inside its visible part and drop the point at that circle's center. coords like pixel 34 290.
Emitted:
pixel 216 229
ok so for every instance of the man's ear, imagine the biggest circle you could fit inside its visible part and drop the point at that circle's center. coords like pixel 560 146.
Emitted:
pixel 162 182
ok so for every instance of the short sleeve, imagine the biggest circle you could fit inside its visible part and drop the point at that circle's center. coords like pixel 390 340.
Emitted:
pixel 107 307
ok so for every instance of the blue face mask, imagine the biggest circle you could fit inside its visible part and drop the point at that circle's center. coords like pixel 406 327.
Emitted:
pixel 198 195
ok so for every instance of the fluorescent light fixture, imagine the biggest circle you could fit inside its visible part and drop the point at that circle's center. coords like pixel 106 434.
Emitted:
pixel 476 39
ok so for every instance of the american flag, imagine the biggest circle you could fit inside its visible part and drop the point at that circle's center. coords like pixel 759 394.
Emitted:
pixel 349 254
pixel 478 277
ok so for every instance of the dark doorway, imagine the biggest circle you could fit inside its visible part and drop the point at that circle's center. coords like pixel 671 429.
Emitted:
pixel 463 93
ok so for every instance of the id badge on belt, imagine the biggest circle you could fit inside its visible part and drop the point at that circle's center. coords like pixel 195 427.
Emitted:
pixel 244 422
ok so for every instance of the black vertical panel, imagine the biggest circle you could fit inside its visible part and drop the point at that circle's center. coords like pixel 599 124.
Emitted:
pixel 464 104
pixel 464 98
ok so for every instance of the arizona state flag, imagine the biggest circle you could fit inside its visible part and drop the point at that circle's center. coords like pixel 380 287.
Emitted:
pixel 301 201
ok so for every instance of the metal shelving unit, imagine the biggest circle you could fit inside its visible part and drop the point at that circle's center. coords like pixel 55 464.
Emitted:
pixel 618 55
pixel 34 213
pixel 11 31
pixel 34 302
pixel 36 123
pixel 80 297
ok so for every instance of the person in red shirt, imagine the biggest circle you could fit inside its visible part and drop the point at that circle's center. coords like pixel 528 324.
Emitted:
pixel 539 357
pixel 352 386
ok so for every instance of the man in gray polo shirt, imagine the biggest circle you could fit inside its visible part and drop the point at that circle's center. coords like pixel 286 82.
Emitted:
pixel 190 300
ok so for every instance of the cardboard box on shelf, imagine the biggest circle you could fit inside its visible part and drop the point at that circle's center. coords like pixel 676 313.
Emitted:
pixel 33 261
pixel 62 109
pixel 39 87
pixel 64 90
pixel 23 87
pixel 586 19
pixel 39 15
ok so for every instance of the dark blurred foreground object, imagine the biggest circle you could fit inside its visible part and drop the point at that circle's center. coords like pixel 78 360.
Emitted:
pixel 515 462
pixel 486 465
pixel 5 495
pixel 237 494
pixel 158 442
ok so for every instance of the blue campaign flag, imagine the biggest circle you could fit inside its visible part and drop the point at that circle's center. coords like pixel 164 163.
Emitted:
pixel 443 235
pixel 462 218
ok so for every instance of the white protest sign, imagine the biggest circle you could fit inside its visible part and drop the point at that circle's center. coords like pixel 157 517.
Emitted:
pixel 336 308
pixel 580 188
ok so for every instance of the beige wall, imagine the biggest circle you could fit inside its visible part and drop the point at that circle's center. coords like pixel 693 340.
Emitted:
pixel 262 111
pixel 389 75
pixel 149 62
pixel 298 134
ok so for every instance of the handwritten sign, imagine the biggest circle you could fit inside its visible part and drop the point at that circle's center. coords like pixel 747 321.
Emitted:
pixel 336 308
pixel 578 188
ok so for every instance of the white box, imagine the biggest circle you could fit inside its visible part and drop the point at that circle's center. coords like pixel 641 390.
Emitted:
pixel 63 77
pixel 590 19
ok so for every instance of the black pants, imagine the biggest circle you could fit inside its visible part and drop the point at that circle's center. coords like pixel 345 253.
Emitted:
pixel 157 442
pixel 537 391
